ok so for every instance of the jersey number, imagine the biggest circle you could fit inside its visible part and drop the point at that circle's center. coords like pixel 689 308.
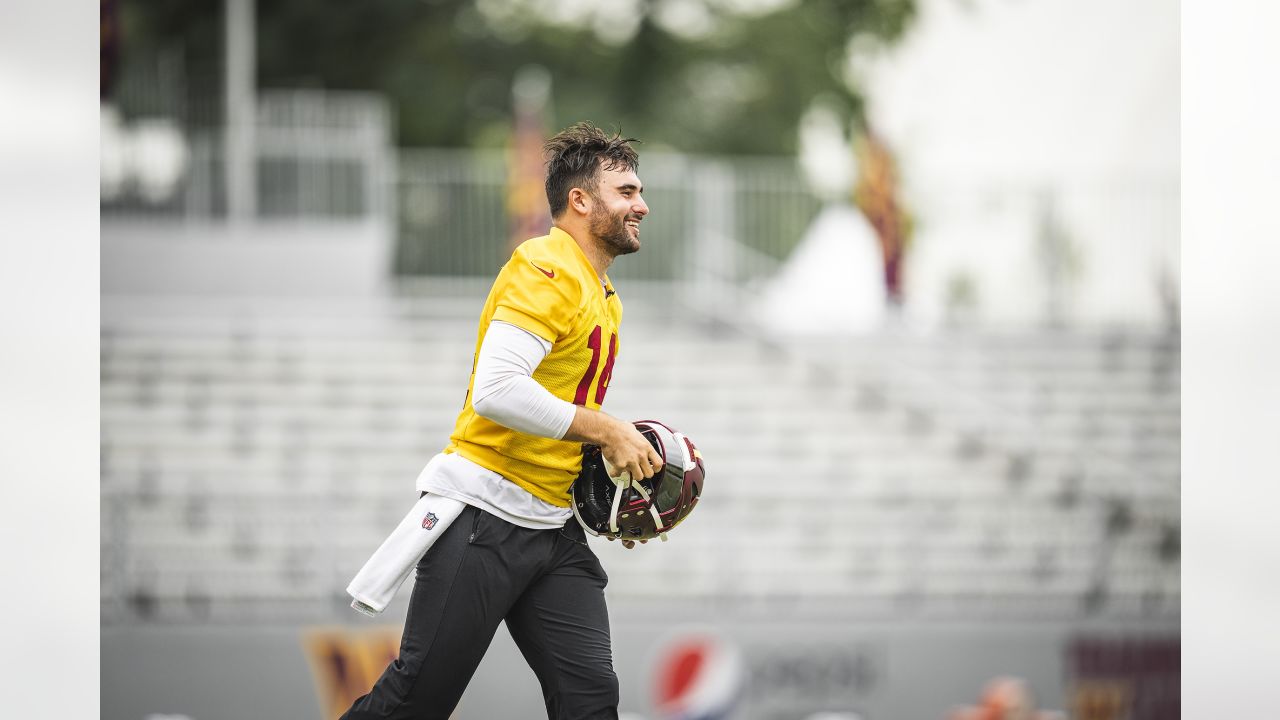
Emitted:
pixel 602 385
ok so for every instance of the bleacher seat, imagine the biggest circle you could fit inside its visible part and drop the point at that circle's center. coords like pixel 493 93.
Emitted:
pixel 252 461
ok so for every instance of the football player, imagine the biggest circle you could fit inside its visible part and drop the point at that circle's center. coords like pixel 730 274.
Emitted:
pixel 545 351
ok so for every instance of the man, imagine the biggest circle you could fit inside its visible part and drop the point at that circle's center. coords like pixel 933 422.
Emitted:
pixel 545 350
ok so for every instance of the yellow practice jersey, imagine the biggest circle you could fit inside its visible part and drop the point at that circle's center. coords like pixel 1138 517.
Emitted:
pixel 549 289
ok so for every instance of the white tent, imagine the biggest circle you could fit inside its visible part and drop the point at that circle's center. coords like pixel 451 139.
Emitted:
pixel 1021 121
pixel 1038 143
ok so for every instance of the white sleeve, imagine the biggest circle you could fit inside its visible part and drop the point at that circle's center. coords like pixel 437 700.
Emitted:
pixel 504 390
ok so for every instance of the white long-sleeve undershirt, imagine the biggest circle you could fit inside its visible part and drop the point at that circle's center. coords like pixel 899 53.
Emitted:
pixel 504 390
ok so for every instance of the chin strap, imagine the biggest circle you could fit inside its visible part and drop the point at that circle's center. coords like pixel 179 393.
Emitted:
pixel 623 482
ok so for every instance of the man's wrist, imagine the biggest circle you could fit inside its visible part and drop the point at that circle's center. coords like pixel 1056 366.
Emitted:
pixel 593 426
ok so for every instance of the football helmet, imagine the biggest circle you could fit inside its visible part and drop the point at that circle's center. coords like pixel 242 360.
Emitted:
pixel 641 509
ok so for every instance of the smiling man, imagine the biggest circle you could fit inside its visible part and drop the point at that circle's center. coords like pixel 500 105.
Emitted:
pixel 545 350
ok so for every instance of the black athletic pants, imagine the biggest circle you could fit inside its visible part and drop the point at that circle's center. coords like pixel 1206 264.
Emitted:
pixel 548 586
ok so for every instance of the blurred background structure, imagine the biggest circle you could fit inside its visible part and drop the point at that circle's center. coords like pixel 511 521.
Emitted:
pixel 910 281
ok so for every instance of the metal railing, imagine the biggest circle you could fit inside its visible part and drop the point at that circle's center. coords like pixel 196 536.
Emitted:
pixel 719 227
pixel 740 216
pixel 319 156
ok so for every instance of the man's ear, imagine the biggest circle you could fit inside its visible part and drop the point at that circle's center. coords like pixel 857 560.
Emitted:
pixel 580 201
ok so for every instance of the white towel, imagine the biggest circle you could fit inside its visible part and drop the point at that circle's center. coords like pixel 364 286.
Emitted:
pixel 384 573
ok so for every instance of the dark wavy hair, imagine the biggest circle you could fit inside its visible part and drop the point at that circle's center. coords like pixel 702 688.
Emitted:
pixel 575 157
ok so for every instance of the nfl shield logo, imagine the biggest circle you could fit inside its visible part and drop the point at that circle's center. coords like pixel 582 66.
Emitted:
pixel 429 521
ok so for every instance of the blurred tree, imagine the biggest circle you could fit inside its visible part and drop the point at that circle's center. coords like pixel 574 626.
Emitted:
pixel 108 44
pixel 704 76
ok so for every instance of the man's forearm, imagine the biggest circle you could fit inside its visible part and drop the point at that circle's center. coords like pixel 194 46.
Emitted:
pixel 592 426
pixel 620 442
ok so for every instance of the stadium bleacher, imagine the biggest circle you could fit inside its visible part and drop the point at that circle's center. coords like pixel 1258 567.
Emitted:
pixel 252 461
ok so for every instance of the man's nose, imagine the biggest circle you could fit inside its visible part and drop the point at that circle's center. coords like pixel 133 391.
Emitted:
pixel 640 207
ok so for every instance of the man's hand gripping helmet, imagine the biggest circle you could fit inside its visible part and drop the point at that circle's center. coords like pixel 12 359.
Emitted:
pixel 640 509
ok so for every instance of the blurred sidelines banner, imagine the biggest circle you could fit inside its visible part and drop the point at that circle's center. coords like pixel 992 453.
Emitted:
pixel 345 662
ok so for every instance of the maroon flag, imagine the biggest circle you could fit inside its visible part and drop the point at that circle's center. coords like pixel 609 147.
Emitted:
pixel 527 211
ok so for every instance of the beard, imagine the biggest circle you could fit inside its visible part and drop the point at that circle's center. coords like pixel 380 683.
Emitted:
pixel 612 231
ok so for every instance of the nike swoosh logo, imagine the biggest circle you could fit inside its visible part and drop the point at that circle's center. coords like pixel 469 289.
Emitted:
pixel 548 273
